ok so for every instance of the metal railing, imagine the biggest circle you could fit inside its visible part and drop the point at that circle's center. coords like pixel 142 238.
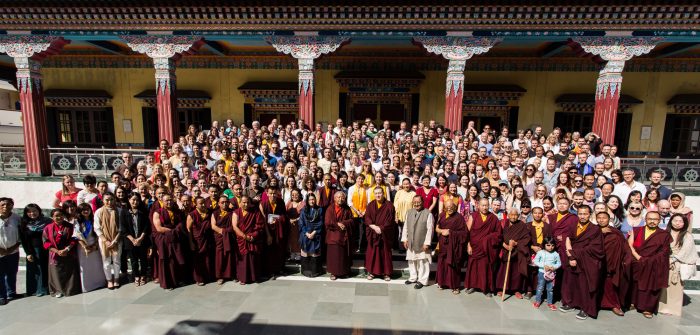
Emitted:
pixel 676 172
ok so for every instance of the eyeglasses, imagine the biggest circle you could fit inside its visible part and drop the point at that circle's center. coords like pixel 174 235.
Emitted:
pixel 578 181
pixel 636 208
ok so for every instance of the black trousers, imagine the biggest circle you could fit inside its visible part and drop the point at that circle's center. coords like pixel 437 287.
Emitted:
pixel 139 260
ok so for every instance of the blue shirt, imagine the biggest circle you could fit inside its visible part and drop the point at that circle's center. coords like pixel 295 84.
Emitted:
pixel 272 161
pixel 545 258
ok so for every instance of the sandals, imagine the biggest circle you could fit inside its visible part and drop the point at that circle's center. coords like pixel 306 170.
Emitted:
pixel 370 276
pixel 455 291
pixel 142 281
pixel 387 278
pixel 220 282
pixel 110 285
pixel 648 315
pixel 200 284
pixel 333 277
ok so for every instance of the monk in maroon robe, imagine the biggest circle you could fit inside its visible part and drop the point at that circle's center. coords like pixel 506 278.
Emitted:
pixel 562 223
pixel 168 234
pixel 616 268
pixel 380 219
pixel 325 193
pixel 277 229
pixel 201 242
pixel 651 249
pixel 224 238
pixel 539 229
pixel 155 206
pixel 249 226
pixel 452 238
pixel 582 270
pixel 483 245
pixel 339 226
pixel 516 243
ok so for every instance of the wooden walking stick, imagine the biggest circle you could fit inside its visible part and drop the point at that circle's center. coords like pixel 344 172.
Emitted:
pixel 505 281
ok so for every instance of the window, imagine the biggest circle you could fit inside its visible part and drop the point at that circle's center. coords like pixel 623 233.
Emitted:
pixel 682 136
pixel 84 127
pixel 582 122
pixel 199 117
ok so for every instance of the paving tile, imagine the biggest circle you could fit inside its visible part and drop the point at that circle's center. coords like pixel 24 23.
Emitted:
pixel 367 289
pixel 332 311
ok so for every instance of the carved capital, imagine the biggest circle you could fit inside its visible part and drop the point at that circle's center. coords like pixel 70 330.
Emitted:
pixel 310 47
pixel 617 48
pixel 163 46
pixel 457 47
pixel 27 52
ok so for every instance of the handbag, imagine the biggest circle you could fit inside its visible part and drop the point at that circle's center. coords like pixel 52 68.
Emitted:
pixel 687 271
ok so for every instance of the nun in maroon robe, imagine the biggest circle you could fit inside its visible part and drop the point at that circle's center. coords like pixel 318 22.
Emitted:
pixel 563 223
pixel 275 252
pixel 380 215
pixel 518 232
pixel 168 235
pixel 651 248
pixel 339 226
pixel 484 243
pixel 582 279
pixel 201 242
pixel 536 244
pixel 249 226
pixel 616 268
pixel 452 238
pixel 224 238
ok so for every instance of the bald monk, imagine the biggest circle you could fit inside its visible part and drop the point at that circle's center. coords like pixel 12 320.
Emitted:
pixel 516 242
pixel 483 245
pixel 582 270
pixel 249 226
pixel 539 230
pixel 452 238
pixel 224 238
pixel 380 221
pixel 651 249
pixel 277 230
pixel 168 235
pixel 201 242
pixel 616 269
pixel 562 223
pixel 324 194
pixel 339 227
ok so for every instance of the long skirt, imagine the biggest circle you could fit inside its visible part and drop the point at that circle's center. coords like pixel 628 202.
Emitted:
pixel 248 268
pixel 447 276
pixel 338 260
pixel 671 301
pixel 38 273
pixel 64 276
pixel 202 267
pixel 92 276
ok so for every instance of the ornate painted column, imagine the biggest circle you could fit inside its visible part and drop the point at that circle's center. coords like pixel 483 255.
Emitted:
pixel 28 51
pixel 616 51
pixel 305 49
pixel 457 50
pixel 165 50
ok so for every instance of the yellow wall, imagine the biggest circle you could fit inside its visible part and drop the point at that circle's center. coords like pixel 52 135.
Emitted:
pixel 537 105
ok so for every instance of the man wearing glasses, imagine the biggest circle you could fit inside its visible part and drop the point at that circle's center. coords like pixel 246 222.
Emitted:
pixel 628 185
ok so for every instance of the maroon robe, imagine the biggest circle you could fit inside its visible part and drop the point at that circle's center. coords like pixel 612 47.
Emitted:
pixel 224 256
pixel 323 200
pixel 234 203
pixel 580 283
pixel 519 257
pixel 618 258
pixel 155 206
pixel 533 270
pixel 275 254
pixel 171 256
pixel 485 240
pixel 560 230
pixel 248 258
pixel 650 272
pixel 451 253
pixel 339 242
pixel 378 256
pixel 202 255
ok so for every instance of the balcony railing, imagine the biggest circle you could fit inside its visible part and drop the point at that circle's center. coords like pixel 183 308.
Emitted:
pixel 101 162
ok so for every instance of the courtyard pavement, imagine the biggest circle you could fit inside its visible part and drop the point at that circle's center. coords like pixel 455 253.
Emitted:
pixel 293 305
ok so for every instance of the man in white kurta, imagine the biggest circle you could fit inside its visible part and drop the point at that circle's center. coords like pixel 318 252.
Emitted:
pixel 416 237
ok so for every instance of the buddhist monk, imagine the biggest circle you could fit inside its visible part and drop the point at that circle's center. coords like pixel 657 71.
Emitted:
pixel 452 238
pixel 482 246
pixel 224 253
pixel 324 194
pixel 201 242
pixel 516 243
pixel 582 270
pixel 277 230
pixel 562 223
pixel 249 226
pixel 416 238
pixel 339 227
pixel 379 220
pixel 155 206
pixel 167 236
pixel 539 230
pixel 616 269
pixel 651 249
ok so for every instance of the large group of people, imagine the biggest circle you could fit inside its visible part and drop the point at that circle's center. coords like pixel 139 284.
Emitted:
pixel 549 217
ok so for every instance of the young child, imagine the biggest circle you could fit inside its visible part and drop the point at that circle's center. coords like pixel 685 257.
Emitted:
pixel 548 261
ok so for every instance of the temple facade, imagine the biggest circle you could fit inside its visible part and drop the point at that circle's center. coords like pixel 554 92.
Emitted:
pixel 93 73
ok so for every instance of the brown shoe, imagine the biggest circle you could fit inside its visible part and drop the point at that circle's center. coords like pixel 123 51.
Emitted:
pixel 618 312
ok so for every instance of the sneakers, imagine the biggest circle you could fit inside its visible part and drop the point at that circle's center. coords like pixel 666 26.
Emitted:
pixel 565 309
pixel 58 295
pixel 552 307
pixel 418 286
pixel 470 291
pixel 536 305
pixel 3 301
pixel 582 315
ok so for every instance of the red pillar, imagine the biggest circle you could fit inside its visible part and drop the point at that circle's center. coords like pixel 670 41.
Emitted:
pixel 166 99
pixel 31 97
pixel 306 91
pixel 606 103
pixel 453 94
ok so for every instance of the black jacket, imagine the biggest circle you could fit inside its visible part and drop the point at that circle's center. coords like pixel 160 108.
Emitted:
pixel 127 227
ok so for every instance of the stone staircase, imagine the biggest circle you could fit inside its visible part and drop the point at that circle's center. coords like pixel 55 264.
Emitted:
pixel 694 284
